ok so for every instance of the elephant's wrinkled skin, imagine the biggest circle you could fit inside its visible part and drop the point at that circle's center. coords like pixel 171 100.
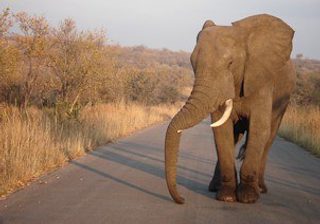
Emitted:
pixel 248 62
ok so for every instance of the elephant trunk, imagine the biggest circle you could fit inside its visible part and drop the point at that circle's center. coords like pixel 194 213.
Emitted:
pixel 195 110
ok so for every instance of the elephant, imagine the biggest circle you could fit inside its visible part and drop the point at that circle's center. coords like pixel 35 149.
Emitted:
pixel 243 79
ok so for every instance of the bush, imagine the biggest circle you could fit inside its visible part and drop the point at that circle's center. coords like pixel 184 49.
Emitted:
pixel 52 66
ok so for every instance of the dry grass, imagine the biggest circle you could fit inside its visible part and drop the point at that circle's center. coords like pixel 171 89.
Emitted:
pixel 33 144
pixel 301 125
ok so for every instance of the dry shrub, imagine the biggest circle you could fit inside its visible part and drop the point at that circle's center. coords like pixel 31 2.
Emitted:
pixel 108 122
pixel 32 143
pixel 301 125
pixel 27 148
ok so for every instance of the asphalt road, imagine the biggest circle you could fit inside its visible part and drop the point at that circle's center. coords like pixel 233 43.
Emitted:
pixel 124 183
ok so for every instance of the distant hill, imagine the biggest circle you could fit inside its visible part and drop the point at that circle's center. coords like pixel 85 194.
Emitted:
pixel 142 57
pixel 306 65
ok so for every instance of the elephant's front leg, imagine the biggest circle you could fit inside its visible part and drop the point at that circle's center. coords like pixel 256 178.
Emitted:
pixel 258 135
pixel 225 179
pixel 238 132
pixel 215 183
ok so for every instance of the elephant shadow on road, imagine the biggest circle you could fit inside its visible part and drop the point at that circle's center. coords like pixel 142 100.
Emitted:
pixel 123 154
pixel 149 159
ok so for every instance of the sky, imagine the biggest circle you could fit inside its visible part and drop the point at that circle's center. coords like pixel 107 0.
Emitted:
pixel 174 24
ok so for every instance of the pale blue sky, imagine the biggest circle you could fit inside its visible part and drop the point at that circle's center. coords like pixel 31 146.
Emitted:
pixel 174 24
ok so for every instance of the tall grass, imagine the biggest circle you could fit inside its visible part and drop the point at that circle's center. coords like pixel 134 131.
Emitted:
pixel 33 143
pixel 301 125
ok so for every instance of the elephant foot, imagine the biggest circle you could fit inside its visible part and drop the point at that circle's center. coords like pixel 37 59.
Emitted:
pixel 248 193
pixel 227 194
pixel 214 185
pixel 263 188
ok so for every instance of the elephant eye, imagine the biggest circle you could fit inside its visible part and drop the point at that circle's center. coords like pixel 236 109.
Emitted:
pixel 229 64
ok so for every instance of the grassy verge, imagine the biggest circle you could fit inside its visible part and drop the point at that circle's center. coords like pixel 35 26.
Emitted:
pixel 301 125
pixel 33 144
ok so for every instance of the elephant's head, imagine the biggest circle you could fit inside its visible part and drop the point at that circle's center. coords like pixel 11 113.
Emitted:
pixel 227 61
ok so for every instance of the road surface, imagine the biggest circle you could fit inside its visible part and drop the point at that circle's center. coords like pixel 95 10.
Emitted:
pixel 124 183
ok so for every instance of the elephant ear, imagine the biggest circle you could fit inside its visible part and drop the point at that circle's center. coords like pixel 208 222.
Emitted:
pixel 207 23
pixel 269 45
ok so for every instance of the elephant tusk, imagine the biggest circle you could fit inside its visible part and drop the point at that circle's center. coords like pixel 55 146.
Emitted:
pixel 225 115
pixel 179 131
